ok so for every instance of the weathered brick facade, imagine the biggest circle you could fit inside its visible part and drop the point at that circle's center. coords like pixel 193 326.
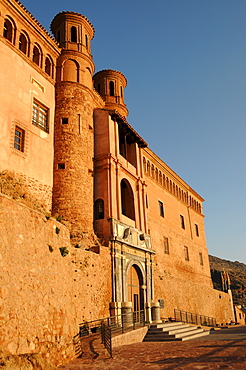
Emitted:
pixel 132 231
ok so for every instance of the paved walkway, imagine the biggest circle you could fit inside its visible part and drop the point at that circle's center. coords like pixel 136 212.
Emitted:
pixel 223 349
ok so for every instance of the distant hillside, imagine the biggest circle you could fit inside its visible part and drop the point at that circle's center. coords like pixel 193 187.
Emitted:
pixel 237 273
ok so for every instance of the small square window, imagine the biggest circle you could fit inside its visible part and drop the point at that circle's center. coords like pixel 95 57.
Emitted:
pixel 61 166
pixel 182 222
pixel 201 259
pixel 166 245
pixel 197 230
pixel 161 208
pixel 64 121
pixel 186 254
pixel 19 139
pixel 40 116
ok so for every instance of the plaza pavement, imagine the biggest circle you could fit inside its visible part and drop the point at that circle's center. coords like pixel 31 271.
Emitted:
pixel 223 349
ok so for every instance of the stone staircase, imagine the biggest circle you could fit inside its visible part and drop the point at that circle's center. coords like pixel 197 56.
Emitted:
pixel 173 331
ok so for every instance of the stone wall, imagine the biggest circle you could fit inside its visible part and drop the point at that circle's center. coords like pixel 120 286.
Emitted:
pixel 44 295
pixel 195 298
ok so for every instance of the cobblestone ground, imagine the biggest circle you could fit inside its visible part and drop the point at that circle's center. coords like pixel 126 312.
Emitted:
pixel 219 351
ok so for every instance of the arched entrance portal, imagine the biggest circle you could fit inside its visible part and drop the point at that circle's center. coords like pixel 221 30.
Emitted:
pixel 134 291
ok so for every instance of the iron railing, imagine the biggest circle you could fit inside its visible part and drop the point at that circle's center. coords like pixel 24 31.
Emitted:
pixel 193 318
pixel 106 336
pixel 112 326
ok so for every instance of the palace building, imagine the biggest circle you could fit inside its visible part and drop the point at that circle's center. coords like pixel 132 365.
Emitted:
pixel 133 229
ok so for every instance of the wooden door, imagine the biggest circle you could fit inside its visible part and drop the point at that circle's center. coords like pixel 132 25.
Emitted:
pixel 133 288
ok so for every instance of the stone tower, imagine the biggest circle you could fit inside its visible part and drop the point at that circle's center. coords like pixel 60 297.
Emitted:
pixel 73 128
pixel 110 85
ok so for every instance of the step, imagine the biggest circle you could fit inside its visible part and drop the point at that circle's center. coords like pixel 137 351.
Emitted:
pixel 167 324
pixel 173 332
pixel 193 336
pixel 188 333
pixel 165 327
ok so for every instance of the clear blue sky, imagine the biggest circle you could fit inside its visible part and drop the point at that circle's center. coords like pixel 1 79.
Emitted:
pixel 185 62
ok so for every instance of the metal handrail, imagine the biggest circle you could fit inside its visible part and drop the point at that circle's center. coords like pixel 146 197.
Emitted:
pixel 113 325
pixel 118 323
pixel 193 318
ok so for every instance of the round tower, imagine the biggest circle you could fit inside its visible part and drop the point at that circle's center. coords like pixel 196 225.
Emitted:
pixel 73 126
pixel 110 85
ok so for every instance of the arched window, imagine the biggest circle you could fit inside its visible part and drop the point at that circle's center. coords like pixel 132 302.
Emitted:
pixel 8 30
pixel 23 43
pixel 58 36
pixel 167 183
pixel 70 71
pixel 148 167
pixel 164 180
pixel 73 34
pixel 153 171
pixel 127 200
pixel 144 165
pixel 49 66
pixel 99 209
pixel 156 174
pixel 111 88
pixel 36 56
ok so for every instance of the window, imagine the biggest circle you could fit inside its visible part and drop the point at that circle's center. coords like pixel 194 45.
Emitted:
pixel 61 166
pixel 182 222
pixel 73 34
pixel 36 56
pixel 40 116
pixel 23 43
pixel 86 41
pixel 111 88
pixel 127 200
pixel 49 66
pixel 127 145
pixel 146 201
pixel 186 254
pixel 197 230
pixel 99 209
pixel 200 259
pixel 166 245
pixel 161 208
pixel 58 36
pixel 64 121
pixel 19 139
pixel 8 30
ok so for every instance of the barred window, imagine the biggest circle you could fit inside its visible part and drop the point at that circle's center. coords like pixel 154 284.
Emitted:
pixel 19 139
pixel 161 208
pixel 40 116
pixel 99 209
pixel 182 222
pixel 197 230
pixel 166 245
pixel 186 254
pixel 201 259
